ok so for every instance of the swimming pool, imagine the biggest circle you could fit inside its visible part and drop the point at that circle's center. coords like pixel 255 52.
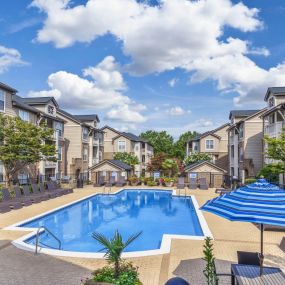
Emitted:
pixel 157 213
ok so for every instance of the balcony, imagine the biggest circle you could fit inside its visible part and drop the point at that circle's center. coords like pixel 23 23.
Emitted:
pixel 274 130
pixel 50 164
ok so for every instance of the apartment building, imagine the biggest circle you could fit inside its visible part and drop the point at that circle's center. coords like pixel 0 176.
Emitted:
pixel 274 116
pixel 83 142
pixel 214 143
pixel 115 141
pixel 245 140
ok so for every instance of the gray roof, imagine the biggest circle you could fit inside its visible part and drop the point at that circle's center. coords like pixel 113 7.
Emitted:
pixel 7 88
pixel 85 118
pixel 193 165
pixel 19 102
pixel 39 100
pixel 275 91
pixel 242 113
pixel 121 164
pixel 69 115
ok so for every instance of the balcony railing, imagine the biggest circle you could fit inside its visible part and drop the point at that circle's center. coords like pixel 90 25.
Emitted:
pixel 274 130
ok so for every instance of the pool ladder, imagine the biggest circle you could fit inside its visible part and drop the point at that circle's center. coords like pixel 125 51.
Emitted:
pixel 46 230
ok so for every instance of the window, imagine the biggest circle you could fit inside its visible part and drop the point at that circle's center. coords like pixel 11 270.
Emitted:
pixel 59 127
pixel 232 151
pixel 241 131
pixel 121 146
pixel 85 153
pixel 85 133
pixel 59 153
pixel 143 158
pixel 209 144
pixel 271 102
pixel 24 115
pixel 2 100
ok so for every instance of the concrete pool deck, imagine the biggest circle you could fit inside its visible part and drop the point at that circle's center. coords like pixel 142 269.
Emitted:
pixel 21 267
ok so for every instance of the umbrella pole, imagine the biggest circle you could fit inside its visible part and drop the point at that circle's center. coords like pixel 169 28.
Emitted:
pixel 261 256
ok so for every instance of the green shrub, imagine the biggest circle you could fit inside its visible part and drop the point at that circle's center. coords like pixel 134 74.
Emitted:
pixel 151 183
pixel 271 171
pixel 249 180
pixel 128 275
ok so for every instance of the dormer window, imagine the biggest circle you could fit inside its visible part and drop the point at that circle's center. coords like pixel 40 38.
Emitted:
pixel 50 110
pixel 271 102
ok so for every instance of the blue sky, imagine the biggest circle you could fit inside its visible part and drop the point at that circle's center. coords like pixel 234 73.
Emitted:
pixel 174 64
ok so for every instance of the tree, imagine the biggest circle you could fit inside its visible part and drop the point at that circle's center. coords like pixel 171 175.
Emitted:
pixel 197 156
pixel 209 271
pixel 179 149
pixel 114 248
pixel 22 145
pixel 272 171
pixel 161 141
pixel 170 165
pixel 127 158
pixel 276 147
pixel 156 162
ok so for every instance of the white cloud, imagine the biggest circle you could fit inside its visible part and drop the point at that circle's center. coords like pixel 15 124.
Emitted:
pixel 177 111
pixel 9 57
pixel 175 34
pixel 173 82
pixel 103 91
pixel 125 114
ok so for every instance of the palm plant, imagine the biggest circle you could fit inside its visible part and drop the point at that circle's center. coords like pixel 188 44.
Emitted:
pixel 114 247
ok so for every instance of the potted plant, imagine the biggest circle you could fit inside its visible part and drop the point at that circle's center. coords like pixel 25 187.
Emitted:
pixel 161 181
pixel 169 182
pixel 134 181
pixel 118 271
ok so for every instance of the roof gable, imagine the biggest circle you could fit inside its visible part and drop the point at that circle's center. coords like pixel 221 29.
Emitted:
pixel 242 113
pixel 116 163
pixel 276 91
pixel 200 163
pixel 87 118
pixel 40 101
pixel 7 88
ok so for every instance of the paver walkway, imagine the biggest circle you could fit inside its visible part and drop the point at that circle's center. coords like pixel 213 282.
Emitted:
pixel 23 268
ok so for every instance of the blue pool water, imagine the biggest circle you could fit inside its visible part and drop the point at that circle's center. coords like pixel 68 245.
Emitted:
pixel 130 211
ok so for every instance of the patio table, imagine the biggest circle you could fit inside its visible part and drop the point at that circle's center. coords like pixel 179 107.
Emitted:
pixel 250 275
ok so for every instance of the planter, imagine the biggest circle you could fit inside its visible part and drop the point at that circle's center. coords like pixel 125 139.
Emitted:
pixel 135 183
pixel 169 184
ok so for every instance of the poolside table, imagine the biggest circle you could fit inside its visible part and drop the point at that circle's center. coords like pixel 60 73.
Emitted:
pixel 249 275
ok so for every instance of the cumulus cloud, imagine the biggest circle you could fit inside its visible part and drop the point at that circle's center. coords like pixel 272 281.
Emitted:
pixel 174 34
pixel 102 91
pixel 178 111
pixel 9 57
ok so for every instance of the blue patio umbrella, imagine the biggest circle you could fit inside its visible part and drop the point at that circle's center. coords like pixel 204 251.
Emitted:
pixel 259 202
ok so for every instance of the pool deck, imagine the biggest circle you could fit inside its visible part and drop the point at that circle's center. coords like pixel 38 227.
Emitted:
pixel 23 268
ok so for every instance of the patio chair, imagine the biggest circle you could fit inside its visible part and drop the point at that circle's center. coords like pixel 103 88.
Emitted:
pixel 177 281
pixel 181 183
pixel 121 182
pixel 248 258
pixel 27 193
pixel 7 200
pixel 203 183
pixel 101 182
pixel 65 190
pixel 192 183
pixel 52 187
pixel 51 194
pixel 26 201
pixel 36 191
pixel 111 182
pixel 222 275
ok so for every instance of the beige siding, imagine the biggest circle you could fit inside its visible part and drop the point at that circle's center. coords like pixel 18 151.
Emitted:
pixel 106 167
pixel 32 116
pixel 9 110
pixel 203 144
pixel 206 168
pixel 129 144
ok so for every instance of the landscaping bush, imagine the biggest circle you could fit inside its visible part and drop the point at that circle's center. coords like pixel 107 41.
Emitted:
pixel 249 181
pixel 271 171
pixel 151 183
pixel 128 275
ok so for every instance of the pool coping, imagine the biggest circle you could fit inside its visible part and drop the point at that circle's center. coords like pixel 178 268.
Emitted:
pixel 165 242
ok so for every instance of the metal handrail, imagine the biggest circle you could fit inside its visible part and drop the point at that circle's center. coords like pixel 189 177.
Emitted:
pixel 47 230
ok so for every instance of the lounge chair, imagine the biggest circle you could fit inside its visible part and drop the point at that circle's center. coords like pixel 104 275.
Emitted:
pixel 101 182
pixel 248 258
pixel 65 190
pixel 203 184
pixel 121 182
pixel 192 183
pixel 36 191
pixel 43 189
pixel 27 193
pixel 26 201
pixel 7 200
pixel 111 182
pixel 181 183
pixel 52 187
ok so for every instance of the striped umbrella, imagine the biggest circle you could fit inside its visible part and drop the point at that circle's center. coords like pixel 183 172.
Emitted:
pixel 259 202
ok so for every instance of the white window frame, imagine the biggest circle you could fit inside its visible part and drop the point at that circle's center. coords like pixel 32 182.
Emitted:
pixel 206 146
pixel 85 154
pixel 61 129
pixel 120 144
pixel 83 129
pixel 24 112
pixel 2 92
pixel 59 153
